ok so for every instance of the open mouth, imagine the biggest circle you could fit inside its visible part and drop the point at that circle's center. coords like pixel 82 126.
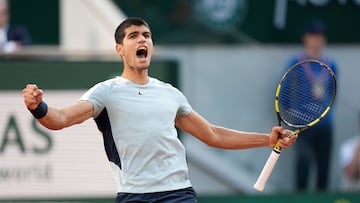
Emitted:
pixel 141 52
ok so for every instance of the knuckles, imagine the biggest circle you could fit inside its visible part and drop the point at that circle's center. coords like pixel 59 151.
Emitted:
pixel 30 94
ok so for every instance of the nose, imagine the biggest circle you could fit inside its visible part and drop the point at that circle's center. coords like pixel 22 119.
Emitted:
pixel 141 39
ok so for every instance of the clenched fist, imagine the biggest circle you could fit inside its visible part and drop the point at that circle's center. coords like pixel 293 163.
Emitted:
pixel 32 96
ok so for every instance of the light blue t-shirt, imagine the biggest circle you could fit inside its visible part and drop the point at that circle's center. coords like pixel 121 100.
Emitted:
pixel 140 138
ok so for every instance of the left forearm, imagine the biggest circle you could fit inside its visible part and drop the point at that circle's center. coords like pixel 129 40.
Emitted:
pixel 232 139
pixel 225 138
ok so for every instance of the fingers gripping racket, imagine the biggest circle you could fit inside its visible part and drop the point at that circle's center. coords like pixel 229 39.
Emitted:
pixel 304 96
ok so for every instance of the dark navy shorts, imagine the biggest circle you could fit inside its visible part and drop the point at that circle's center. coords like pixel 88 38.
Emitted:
pixel 187 195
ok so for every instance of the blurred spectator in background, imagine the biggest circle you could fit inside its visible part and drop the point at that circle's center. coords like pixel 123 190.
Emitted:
pixel 350 161
pixel 313 147
pixel 11 37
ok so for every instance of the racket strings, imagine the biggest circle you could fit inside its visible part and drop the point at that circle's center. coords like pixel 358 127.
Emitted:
pixel 306 92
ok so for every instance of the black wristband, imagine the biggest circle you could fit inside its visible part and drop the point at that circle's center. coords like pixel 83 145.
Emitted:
pixel 40 111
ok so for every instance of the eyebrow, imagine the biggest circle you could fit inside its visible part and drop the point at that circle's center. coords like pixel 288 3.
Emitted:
pixel 137 32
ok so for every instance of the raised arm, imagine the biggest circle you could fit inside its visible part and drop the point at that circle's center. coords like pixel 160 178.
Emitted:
pixel 225 138
pixel 56 118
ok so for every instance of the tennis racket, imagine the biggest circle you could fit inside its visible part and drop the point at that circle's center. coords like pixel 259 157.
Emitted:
pixel 303 97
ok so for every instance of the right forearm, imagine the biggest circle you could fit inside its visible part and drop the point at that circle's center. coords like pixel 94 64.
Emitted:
pixel 49 117
pixel 54 119
pixel 59 118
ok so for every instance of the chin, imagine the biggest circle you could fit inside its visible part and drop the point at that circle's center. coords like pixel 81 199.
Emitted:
pixel 142 67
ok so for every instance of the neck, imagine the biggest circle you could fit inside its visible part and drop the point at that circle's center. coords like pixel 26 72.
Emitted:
pixel 140 77
pixel 314 54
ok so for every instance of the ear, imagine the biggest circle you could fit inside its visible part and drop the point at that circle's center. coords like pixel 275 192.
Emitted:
pixel 119 49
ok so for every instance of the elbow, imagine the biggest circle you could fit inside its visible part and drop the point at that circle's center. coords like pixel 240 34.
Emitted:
pixel 52 125
pixel 212 144
pixel 213 139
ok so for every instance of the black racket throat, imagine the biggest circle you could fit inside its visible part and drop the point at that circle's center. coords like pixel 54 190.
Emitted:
pixel 289 126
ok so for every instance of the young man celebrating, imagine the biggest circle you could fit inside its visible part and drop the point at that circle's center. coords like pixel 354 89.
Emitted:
pixel 137 115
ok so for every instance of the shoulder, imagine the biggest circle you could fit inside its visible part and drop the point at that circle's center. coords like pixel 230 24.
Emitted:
pixel 347 150
pixel 19 33
pixel 330 62
pixel 349 144
pixel 295 59
pixel 158 83
pixel 17 29
pixel 166 86
pixel 106 83
pixel 103 87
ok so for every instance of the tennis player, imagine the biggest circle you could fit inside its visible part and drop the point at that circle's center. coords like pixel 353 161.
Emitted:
pixel 137 115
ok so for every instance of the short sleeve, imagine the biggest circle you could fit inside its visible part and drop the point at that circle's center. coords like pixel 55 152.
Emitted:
pixel 97 95
pixel 347 151
pixel 184 106
pixel 292 62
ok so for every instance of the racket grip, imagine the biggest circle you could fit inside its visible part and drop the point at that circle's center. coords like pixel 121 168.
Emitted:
pixel 266 171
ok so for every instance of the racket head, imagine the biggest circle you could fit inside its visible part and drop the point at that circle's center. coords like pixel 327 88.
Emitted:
pixel 305 94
